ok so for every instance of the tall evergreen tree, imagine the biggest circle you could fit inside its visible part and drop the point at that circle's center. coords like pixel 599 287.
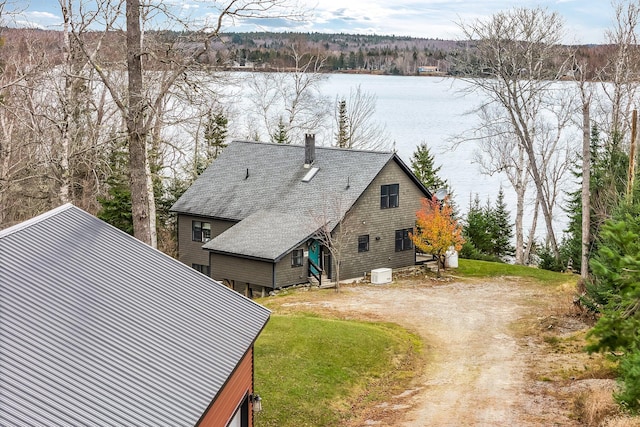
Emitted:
pixel 215 134
pixel 215 138
pixel 342 137
pixel 425 170
pixel 501 229
pixel 572 244
pixel 615 292
pixel 116 206
pixel 476 228
pixel 607 183
pixel 488 230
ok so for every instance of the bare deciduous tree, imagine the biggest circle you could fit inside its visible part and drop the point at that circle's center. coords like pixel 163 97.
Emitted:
pixel 336 230
pixel 518 55
pixel 141 102
pixel 620 75
pixel 290 100
pixel 499 152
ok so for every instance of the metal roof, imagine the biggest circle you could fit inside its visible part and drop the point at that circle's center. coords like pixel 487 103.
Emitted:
pixel 97 328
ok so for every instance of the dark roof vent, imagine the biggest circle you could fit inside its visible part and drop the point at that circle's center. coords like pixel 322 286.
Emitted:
pixel 309 149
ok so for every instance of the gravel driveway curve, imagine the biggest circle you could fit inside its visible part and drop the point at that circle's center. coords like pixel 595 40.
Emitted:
pixel 477 372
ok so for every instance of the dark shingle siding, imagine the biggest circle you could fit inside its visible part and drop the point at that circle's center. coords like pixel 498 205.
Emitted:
pixel 97 328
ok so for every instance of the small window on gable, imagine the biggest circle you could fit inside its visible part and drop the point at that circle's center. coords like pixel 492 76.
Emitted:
pixel 297 256
pixel 363 243
pixel 200 231
pixel 389 196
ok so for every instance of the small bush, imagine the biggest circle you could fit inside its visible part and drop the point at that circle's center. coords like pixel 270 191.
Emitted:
pixel 549 262
pixel 595 407
pixel 469 251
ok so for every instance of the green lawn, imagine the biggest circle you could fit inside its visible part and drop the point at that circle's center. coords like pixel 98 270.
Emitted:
pixel 320 371
pixel 310 370
pixel 473 268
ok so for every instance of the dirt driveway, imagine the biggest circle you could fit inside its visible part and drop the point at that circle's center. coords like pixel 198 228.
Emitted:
pixel 480 369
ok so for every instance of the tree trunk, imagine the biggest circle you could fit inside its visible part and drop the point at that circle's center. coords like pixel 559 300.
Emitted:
pixel 537 180
pixel 532 232
pixel 143 222
pixel 521 189
pixel 519 228
pixel 65 175
pixel 548 220
pixel 586 178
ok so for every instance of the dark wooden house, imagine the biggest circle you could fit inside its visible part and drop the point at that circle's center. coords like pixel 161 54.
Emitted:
pixel 252 218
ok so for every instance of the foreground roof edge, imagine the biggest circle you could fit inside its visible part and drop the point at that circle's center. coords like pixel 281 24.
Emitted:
pixel 49 214
pixel 36 219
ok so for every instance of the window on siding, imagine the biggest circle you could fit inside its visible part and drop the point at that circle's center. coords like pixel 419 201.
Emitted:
pixel 204 269
pixel 363 243
pixel 241 417
pixel 200 231
pixel 389 196
pixel 296 257
pixel 403 240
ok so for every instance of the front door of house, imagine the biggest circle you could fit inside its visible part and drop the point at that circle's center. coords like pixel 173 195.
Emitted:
pixel 326 262
pixel 314 256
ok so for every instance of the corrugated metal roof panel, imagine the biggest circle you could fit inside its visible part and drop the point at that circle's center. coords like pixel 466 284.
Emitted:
pixel 97 328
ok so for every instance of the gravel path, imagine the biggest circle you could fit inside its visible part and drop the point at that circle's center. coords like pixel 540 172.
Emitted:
pixel 477 369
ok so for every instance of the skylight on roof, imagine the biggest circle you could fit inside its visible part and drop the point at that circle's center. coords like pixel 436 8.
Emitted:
pixel 312 172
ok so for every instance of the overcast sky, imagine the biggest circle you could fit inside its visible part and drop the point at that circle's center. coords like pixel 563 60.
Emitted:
pixel 585 20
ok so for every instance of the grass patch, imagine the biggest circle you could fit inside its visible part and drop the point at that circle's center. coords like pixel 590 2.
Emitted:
pixel 474 268
pixel 313 371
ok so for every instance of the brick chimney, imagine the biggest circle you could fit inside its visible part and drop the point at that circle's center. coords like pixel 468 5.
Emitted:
pixel 309 149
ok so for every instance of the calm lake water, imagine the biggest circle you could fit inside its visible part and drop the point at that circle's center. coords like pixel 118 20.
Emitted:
pixel 434 110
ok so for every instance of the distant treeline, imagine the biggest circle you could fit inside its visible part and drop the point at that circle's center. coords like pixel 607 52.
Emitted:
pixel 356 53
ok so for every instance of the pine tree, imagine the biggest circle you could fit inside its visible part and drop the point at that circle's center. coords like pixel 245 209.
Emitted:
pixel 615 292
pixel 116 207
pixel 342 137
pixel 281 136
pixel 608 184
pixel 476 229
pixel 501 229
pixel 424 169
pixel 215 134
pixel 572 244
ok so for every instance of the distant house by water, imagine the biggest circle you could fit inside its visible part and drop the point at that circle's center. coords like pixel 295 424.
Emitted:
pixel 99 329
pixel 429 70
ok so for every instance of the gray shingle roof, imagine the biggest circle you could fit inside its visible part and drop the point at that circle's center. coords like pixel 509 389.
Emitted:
pixel 97 328
pixel 274 182
pixel 265 235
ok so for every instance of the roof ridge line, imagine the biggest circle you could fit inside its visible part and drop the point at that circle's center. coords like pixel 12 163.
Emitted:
pixel 324 147
pixel 36 219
